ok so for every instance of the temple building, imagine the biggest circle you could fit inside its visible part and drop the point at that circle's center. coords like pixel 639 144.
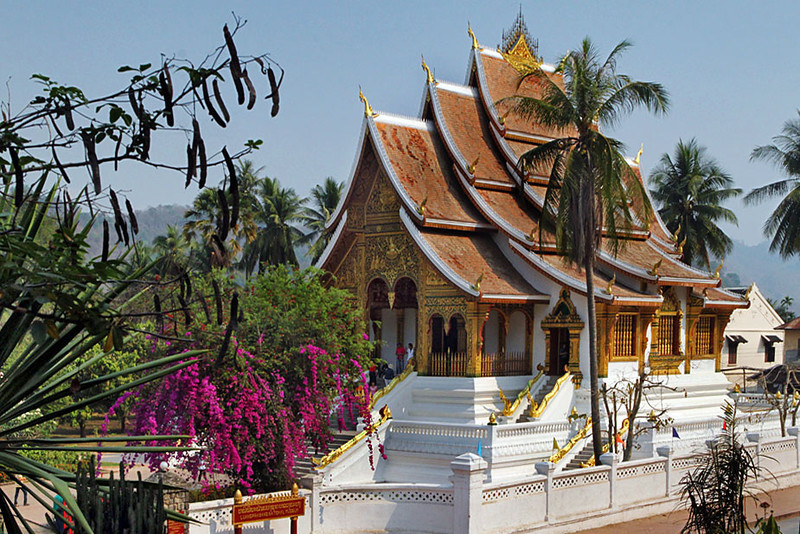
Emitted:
pixel 438 237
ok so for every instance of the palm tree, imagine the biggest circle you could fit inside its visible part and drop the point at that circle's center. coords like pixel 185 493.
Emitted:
pixel 783 225
pixel 591 185
pixel 324 199
pixel 174 250
pixel 279 210
pixel 690 188
pixel 201 218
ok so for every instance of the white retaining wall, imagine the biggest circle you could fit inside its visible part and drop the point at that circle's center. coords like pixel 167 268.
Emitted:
pixel 560 501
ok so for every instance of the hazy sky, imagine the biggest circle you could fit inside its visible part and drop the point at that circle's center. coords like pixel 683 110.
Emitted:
pixel 731 69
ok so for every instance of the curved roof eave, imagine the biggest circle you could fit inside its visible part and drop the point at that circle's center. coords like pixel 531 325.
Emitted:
pixel 348 188
pixel 332 243
pixel 704 278
pixel 434 258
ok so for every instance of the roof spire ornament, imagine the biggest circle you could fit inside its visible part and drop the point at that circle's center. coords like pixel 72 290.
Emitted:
pixel 677 233
pixel 638 155
pixel 654 270
pixel 427 70
pixel 719 269
pixel 367 108
pixel 610 288
pixel 475 45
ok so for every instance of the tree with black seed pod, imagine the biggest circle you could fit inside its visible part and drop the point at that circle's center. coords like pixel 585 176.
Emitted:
pixel 56 302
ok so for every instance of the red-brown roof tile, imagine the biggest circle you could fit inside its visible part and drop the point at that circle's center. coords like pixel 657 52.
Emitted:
pixel 424 169
pixel 473 255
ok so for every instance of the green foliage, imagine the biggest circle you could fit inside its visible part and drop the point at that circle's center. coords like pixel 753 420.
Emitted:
pixel 591 186
pixel 783 225
pixel 116 505
pixel 324 199
pixel 783 307
pixel 691 187
pixel 715 491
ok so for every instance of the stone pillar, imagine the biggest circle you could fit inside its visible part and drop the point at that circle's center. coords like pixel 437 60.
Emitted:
pixel 645 440
pixel 468 470
pixel 610 459
pixel 547 469
pixel 665 451
pixel 795 431
pixel 755 437
pixel 316 504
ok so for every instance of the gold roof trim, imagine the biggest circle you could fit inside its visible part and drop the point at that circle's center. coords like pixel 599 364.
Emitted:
pixel 367 108
pixel 475 45
pixel 521 58
pixel 427 70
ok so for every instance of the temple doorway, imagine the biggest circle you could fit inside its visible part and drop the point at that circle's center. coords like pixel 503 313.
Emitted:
pixel 559 351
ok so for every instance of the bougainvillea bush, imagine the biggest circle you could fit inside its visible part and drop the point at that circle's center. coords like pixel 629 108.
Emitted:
pixel 288 362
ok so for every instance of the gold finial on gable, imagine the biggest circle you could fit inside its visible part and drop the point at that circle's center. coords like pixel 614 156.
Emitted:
pixel 677 233
pixel 719 269
pixel 610 286
pixel 475 45
pixel 477 285
pixel 471 168
pixel 502 118
pixel 638 155
pixel 427 70
pixel 367 108
pixel 421 207
pixel 681 245
pixel 656 265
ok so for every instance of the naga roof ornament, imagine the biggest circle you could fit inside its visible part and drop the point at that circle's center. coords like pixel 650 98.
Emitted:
pixel 367 108
pixel 427 70
pixel 475 45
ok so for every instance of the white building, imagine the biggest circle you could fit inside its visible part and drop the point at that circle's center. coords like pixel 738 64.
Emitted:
pixel 751 338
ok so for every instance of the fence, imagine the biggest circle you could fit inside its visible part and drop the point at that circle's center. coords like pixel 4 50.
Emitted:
pixel 505 364
pixel 448 364
pixel 586 497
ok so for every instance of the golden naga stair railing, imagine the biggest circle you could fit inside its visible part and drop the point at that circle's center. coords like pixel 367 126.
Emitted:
pixel 390 386
pixel 334 455
pixel 510 407
pixel 582 433
pixel 537 411
pixel 592 461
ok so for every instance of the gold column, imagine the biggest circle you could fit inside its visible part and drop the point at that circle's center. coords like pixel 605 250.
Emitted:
pixel 474 320
pixel 575 356
pixel 547 353
pixel 645 319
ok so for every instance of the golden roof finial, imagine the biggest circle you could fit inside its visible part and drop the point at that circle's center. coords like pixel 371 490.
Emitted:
pixel 677 233
pixel 532 235
pixel 502 118
pixel 427 70
pixel 681 245
pixel 477 285
pixel 421 207
pixel 719 268
pixel 639 155
pixel 475 45
pixel 471 168
pixel 656 265
pixel 610 286
pixel 492 419
pixel 367 108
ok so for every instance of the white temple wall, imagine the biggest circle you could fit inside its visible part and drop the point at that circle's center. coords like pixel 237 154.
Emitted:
pixel 515 340
pixel 491 333
pixel 409 327
pixel 389 336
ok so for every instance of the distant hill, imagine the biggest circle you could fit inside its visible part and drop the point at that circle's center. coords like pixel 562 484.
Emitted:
pixel 775 277
pixel 153 222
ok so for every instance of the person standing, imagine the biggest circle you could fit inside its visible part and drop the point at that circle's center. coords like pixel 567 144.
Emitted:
pixel 410 354
pixel 401 357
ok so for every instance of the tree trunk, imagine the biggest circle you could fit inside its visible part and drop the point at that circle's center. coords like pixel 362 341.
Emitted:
pixel 597 438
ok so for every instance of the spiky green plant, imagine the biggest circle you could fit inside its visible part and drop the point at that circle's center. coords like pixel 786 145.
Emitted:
pixel 55 305
pixel 716 490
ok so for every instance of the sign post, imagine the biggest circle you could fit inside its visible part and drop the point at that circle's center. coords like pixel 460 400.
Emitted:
pixel 275 506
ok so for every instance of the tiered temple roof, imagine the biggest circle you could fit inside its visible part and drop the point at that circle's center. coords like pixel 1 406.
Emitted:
pixel 474 214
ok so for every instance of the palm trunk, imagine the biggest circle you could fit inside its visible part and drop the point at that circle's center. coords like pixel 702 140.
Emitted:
pixel 597 438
